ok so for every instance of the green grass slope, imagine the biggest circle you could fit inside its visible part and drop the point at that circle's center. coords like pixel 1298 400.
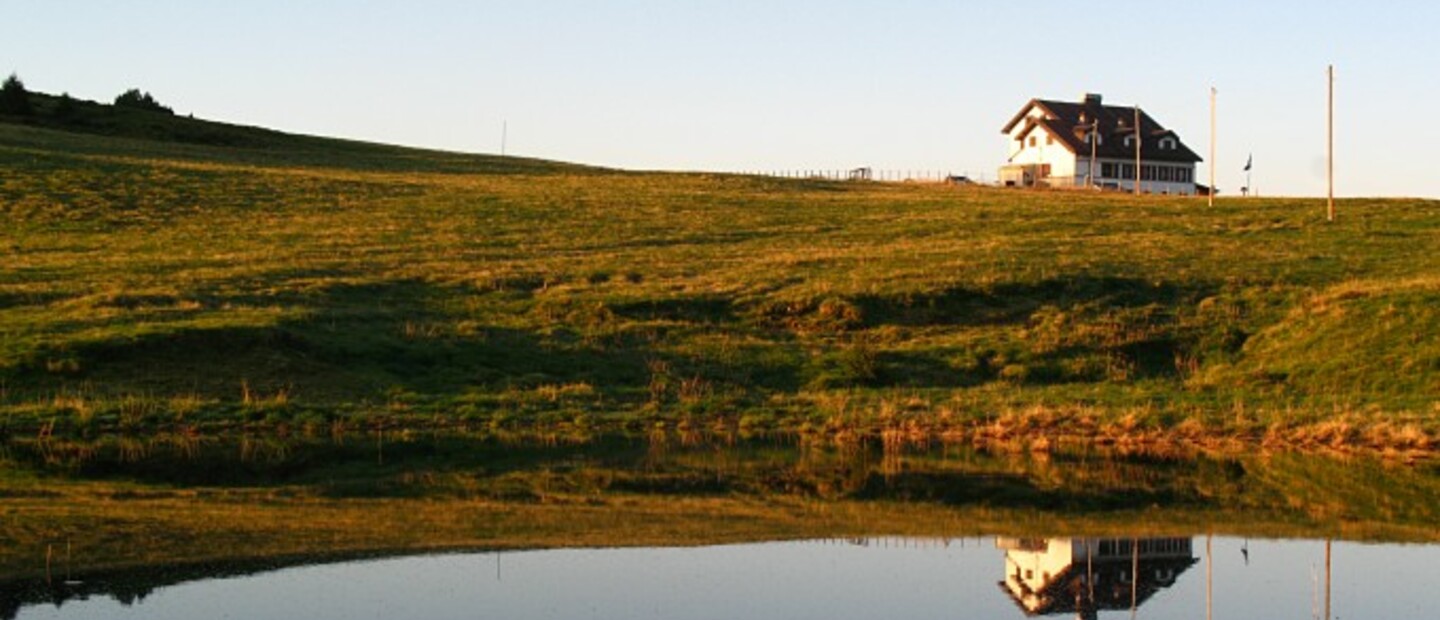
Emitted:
pixel 291 280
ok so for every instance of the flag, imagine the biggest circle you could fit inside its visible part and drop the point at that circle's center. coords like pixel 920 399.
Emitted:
pixel 1248 160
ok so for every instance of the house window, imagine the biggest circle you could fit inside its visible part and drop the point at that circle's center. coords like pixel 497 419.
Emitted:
pixel 1167 144
pixel 1107 170
pixel 1049 139
pixel 1032 140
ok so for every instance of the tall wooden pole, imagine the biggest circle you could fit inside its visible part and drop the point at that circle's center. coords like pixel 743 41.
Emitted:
pixel 1137 150
pixel 1094 139
pixel 1330 145
pixel 1212 147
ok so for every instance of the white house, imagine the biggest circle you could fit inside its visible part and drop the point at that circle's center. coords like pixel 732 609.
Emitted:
pixel 1084 143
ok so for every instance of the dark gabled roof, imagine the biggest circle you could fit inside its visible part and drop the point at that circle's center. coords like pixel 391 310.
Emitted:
pixel 1068 121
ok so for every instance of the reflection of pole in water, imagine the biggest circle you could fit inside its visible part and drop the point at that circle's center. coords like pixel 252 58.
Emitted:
pixel 1327 579
pixel 1135 542
pixel 1315 609
pixel 1209 577
pixel 1090 569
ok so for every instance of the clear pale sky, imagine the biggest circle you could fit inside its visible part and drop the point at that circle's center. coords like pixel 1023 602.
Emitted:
pixel 759 85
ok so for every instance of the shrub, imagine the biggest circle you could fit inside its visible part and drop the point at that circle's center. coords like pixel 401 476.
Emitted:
pixel 134 99
pixel 65 107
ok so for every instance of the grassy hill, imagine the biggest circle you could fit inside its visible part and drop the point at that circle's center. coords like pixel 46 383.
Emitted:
pixel 163 271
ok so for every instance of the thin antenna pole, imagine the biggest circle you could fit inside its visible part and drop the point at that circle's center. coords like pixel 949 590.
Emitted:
pixel 504 136
pixel 1212 147
pixel 1137 150
pixel 1330 146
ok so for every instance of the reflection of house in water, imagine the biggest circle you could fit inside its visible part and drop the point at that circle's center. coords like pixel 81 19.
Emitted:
pixel 1056 575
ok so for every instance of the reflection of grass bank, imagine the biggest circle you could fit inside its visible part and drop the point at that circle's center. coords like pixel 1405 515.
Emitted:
pixel 154 502
pixel 288 285
pixel 577 412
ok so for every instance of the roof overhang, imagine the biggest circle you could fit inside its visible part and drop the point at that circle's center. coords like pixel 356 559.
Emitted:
pixel 1025 110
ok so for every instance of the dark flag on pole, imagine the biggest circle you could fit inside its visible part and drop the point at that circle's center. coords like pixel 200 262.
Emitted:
pixel 1248 160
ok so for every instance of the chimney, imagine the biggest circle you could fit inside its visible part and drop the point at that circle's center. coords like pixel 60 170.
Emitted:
pixel 1092 99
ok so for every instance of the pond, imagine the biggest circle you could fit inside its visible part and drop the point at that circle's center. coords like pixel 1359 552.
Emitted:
pixel 823 579
pixel 442 526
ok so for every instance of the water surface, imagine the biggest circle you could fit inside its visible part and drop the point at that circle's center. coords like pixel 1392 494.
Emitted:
pixel 823 579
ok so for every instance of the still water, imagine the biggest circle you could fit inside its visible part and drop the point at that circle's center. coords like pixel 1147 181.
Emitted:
pixel 826 579
pixel 209 524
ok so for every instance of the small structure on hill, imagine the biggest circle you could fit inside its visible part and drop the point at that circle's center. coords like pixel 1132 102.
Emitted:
pixel 1089 144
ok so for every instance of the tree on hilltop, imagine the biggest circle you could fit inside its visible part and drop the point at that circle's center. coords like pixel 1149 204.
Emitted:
pixel 14 99
pixel 65 107
pixel 137 100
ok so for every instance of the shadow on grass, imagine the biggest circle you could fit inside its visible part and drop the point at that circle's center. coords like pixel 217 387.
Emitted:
pixel 368 341
pixel 353 339
pixel 1015 302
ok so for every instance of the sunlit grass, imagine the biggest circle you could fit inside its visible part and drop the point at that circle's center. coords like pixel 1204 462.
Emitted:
pixel 297 284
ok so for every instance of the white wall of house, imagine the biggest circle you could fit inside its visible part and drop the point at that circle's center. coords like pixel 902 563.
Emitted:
pixel 1048 149
pixel 1014 146
pixel 1035 569
pixel 1161 187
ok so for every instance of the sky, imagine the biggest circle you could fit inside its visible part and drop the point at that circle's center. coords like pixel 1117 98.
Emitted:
pixel 759 85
